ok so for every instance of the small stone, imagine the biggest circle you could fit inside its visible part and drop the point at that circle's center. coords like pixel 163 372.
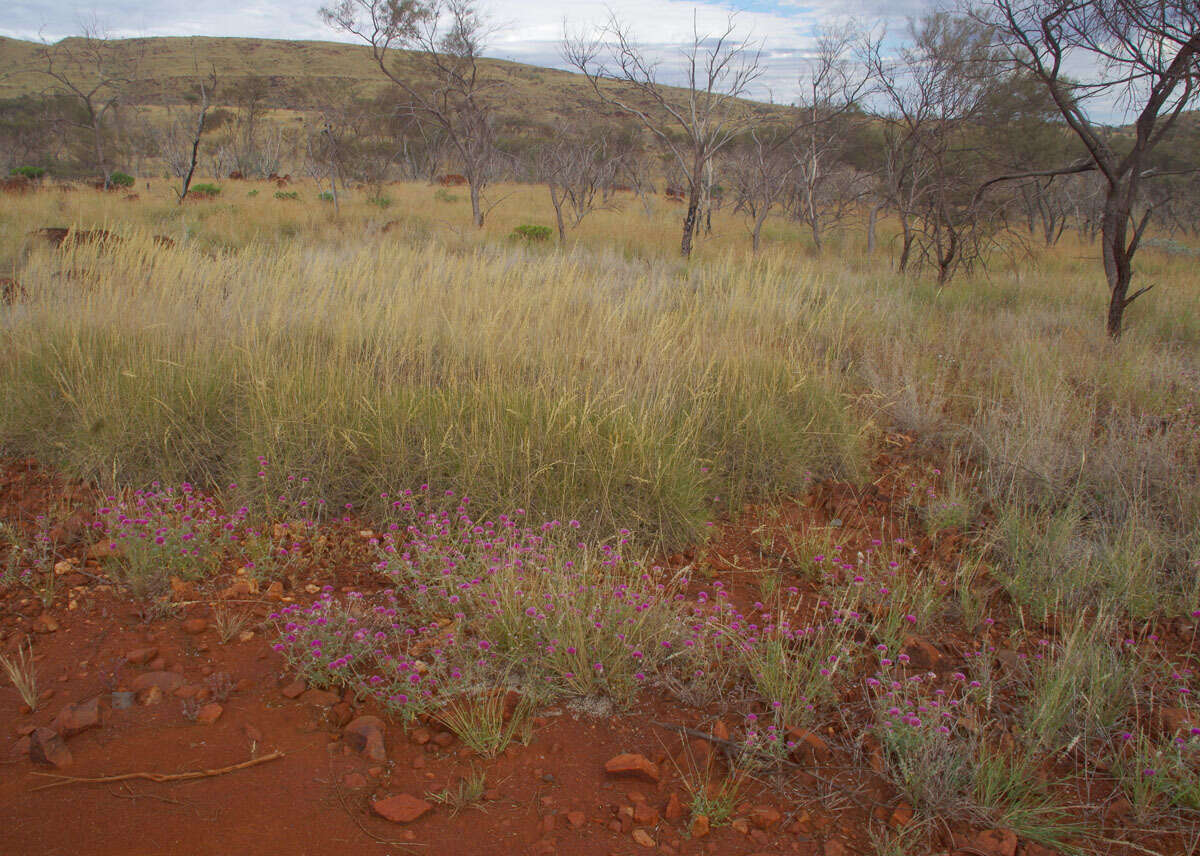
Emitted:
pixel 765 817
pixel 921 653
pixel 45 623
pixel 355 781
pixel 720 730
pixel 47 748
pixel 421 736
pixel 275 590
pixel 674 809
pixel 991 842
pixel 209 714
pixel 295 689
pixel 141 656
pixel 418 763
pixel 158 664
pixel 20 749
pixel 631 764
pixel 901 816
pixel 365 735
pixel 699 827
pixel 642 838
pixel 645 814
pixel 402 808
pixel 74 718
pixel 165 682
pixel 577 819
pixel 444 739
pixel 834 847
pixel 740 824
pixel 150 696
pixel 810 748
pixel 194 626
pixel 321 698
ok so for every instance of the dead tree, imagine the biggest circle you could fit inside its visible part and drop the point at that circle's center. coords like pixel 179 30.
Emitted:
pixel 693 123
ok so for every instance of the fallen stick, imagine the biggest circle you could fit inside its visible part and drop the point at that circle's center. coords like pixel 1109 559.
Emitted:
pixel 154 777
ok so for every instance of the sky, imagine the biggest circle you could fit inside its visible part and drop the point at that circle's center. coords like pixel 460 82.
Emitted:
pixel 527 32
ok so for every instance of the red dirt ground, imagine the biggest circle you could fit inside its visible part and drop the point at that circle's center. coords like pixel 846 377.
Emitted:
pixel 550 796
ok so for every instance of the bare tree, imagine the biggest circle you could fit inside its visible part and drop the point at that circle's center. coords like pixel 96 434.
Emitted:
pixel 832 86
pixel 94 72
pixel 932 91
pixel 446 86
pixel 578 169
pixel 181 141
pixel 1144 54
pixel 693 123
pixel 760 172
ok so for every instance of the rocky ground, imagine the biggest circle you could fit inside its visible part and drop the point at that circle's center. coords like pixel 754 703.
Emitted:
pixel 210 744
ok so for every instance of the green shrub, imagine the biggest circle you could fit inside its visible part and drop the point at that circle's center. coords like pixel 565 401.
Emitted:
pixel 381 201
pixel 286 194
pixel 28 171
pixel 325 196
pixel 444 195
pixel 529 232
pixel 204 190
pixel 252 193
pixel 121 179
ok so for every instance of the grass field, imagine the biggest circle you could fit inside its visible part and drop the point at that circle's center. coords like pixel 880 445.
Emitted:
pixel 610 383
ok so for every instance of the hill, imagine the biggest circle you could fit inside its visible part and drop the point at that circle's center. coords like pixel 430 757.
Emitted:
pixel 166 68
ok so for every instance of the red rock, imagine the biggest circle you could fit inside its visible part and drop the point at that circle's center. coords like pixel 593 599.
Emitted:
pixel 275 590
pixel 194 626
pixel 365 735
pixel 1175 720
pixel 765 817
pixel 402 808
pixel 47 748
pixel 165 682
pixel 74 718
pixel 810 747
pixel 642 838
pixel 20 749
pixel 341 713
pixel 645 814
pixel 631 764
pixel 901 815
pixel 577 819
pixel 355 780
pixel 1032 848
pixel 699 827
pixel 548 821
pixel 45 623
pixel 992 842
pixel 295 689
pixel 152 695
pixel 140 656
pixel 421 736
pixel 720 730
pixel 740 824
pixel 921 653
pixel 209 714
pixel 443 739
pixel 158 664
pixel 321 698
pixel 674 809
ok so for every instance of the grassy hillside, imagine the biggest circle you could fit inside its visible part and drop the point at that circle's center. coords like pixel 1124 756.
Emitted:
pixel 165 70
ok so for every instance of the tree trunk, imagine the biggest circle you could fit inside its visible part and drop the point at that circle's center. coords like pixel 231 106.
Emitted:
pixel 871 220
pixel 906 246
pixel 757 234
pixel 816 233
pixel 476 210
pixel 1117 267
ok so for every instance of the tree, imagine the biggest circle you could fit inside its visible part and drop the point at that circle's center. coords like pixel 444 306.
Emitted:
pixel 760 172
pixel 1145 53
pixel 692 125
pixel 94 72
pixel 181 141
pixel 447 87
pixel 578 169
pixel 932 94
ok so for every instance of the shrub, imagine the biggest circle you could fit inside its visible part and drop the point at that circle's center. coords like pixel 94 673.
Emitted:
pixel 444 195
pixel 286 194
pixel 381 201
pixel 529 232
pixel 252 193
pixel 325 196
pixel 204 191
pixel 33 172
pixel 120 179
